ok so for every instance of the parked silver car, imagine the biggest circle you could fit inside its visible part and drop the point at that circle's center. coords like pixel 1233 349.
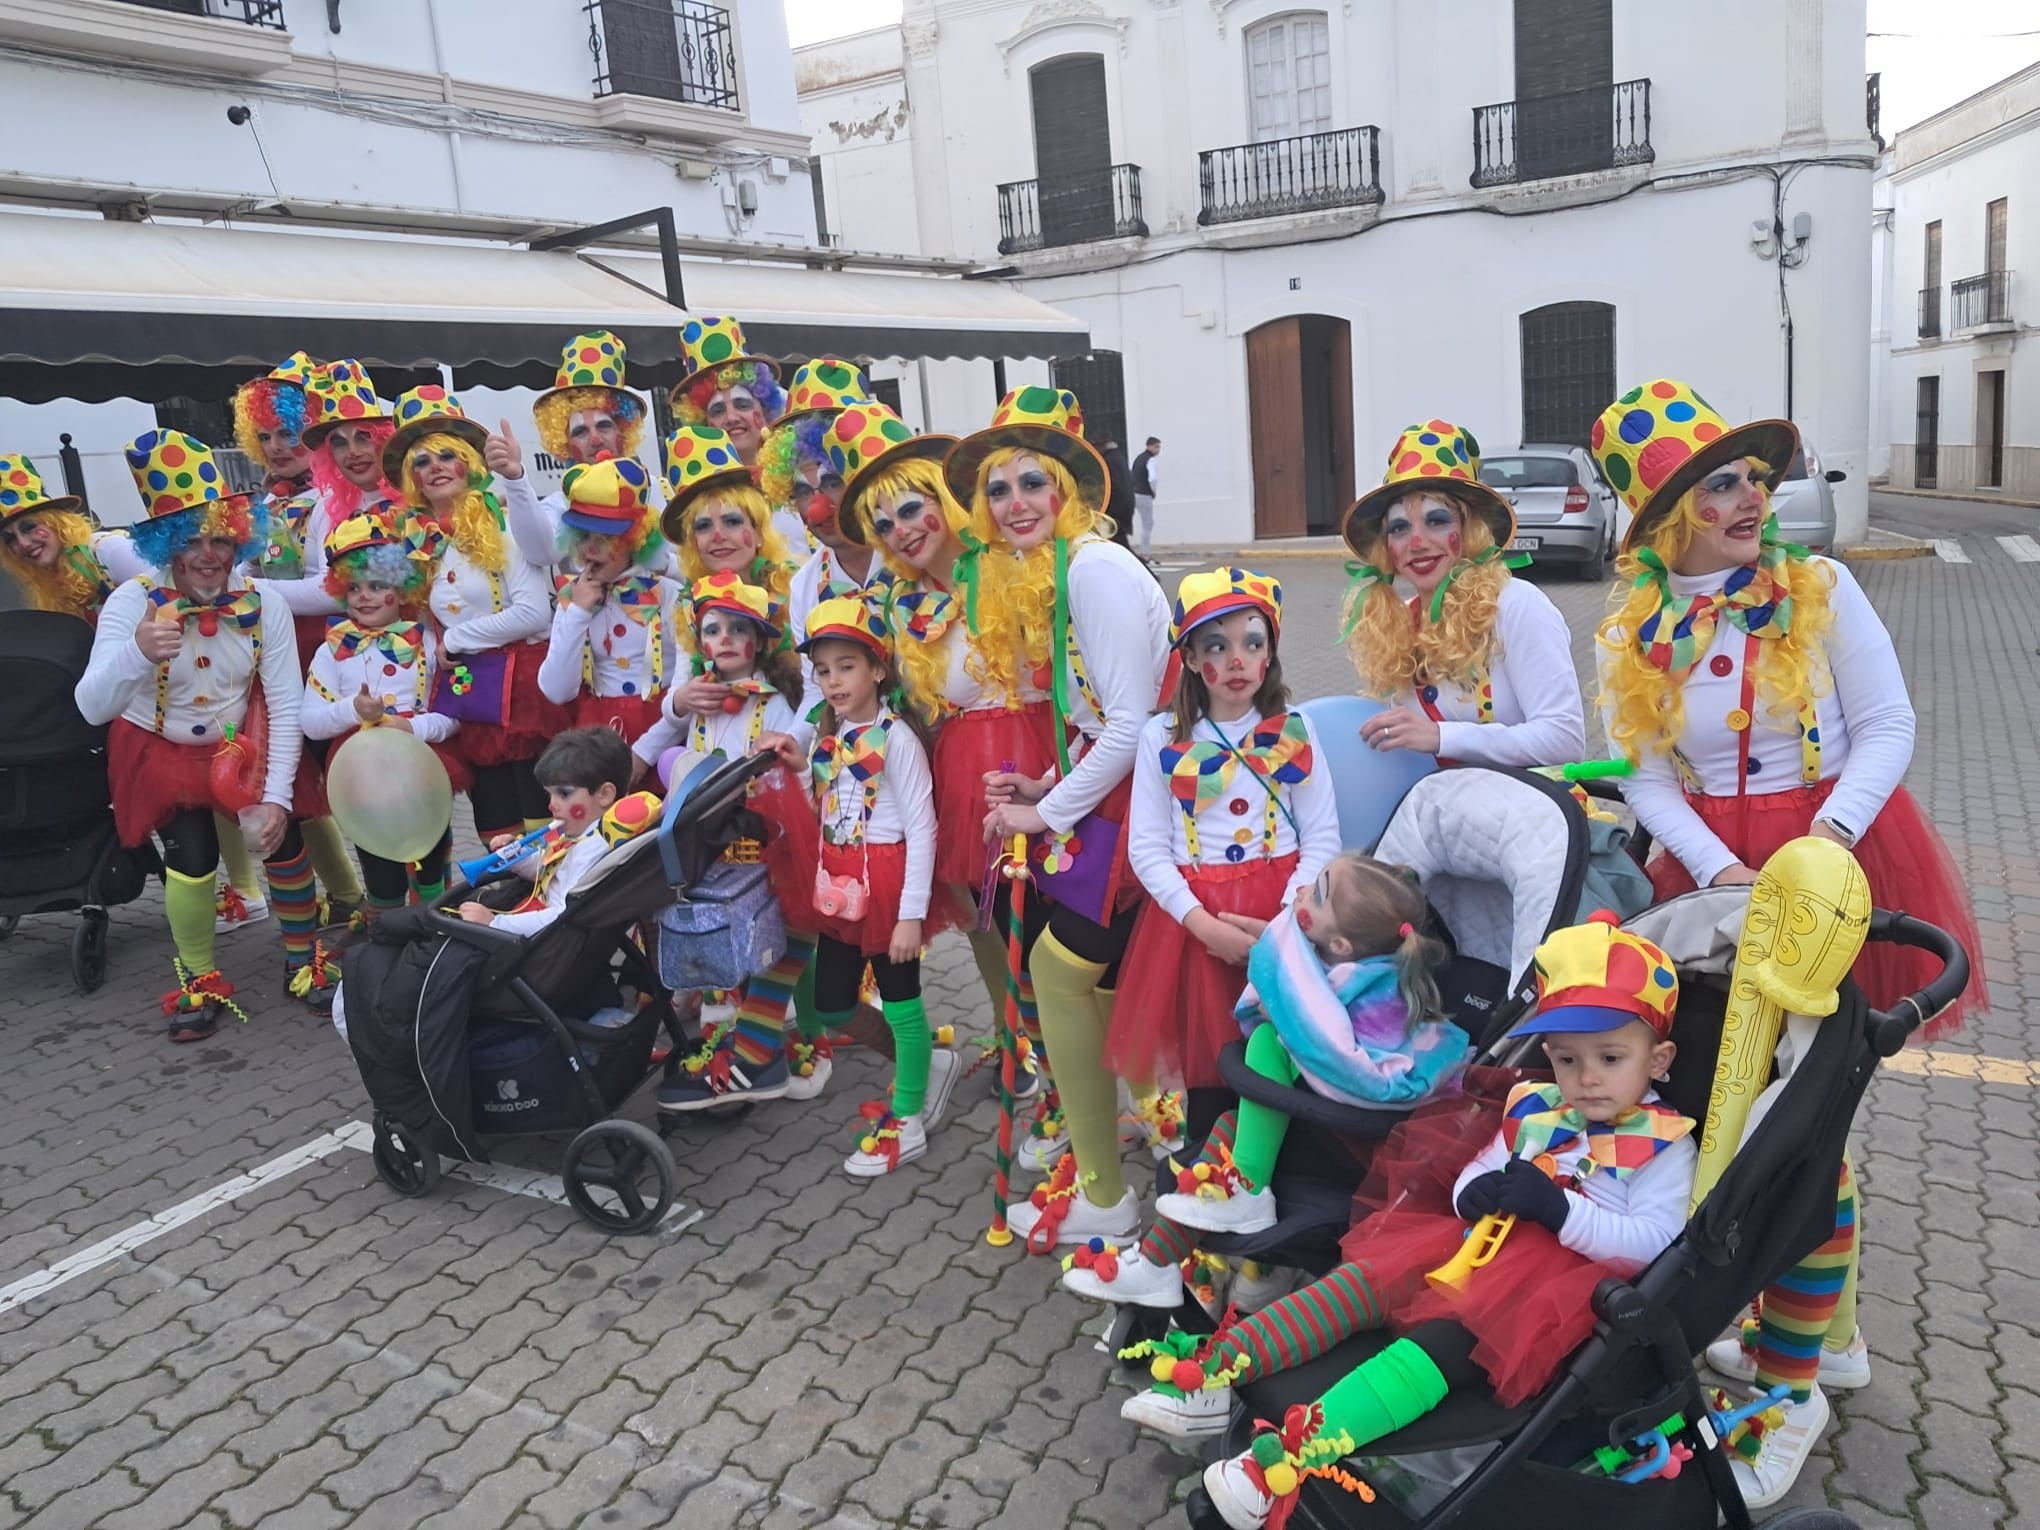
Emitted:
pixel 1565 512
pixel 1805 502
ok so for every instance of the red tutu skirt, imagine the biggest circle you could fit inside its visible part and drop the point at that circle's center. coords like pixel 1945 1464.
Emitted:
pixel 447 751
pixel 883 869
pixel 1906 864
pixel 1175 1009
pixel 793 843
pixel 969 745
pixel 154 779
pixel 627 715
pixel 534 720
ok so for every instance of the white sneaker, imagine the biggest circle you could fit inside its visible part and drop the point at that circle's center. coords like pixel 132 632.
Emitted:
pixel 1243 1211
pixel 1841 1370
pixel 888 1154
pixel 1038 1151
pixel 815 1058
pixel 944 1069
pixel 1135 1282
pixel 232 910
pixel 1252 1291
pixel 1182 1418
pixel 1232 1492
pixel 1157 1121
pixel 1770 1477
pixel 1084 1220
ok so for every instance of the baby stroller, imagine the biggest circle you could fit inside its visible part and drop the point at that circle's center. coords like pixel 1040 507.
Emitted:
pixel 58 849
pixel 1473 1461
pixel 462 1030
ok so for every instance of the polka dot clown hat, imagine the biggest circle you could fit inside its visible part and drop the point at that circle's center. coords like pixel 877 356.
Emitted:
pixel 860 443
pixel 176 473
pixel 846 617
pixel 369 528
pixel 339 393
pixel 1657 441
pixel 1435 455
pixel 428 410
pixel 22 491
pixel 1216 592
pixel 822 386
pixel 709 344
pixel 1596 977
pixel 698 457
pixel 724 590
pixel 592 367
pixel 1044 420
pixel 608 498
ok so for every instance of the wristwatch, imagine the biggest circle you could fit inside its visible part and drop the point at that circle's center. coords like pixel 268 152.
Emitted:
pixel 1841 831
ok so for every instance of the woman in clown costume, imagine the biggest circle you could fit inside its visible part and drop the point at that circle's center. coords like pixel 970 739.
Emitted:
pixel 175 670
pixel 1476 665
pixel 723 387
pixel 717 519
pixel 1760 698
pixel 51 549
pixel 347 425
pixel 586 416
pixel 1057 597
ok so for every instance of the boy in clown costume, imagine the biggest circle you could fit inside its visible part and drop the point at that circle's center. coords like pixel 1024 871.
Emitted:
pixel 725 388
pixel 177 661
pixel 587 416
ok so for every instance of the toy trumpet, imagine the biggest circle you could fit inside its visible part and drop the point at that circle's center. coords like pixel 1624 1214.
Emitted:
pixel 1587 770
pixel 1483 1242
pixel 482 867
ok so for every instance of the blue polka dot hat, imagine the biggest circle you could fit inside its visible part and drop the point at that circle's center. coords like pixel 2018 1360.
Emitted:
pixel 1435 456
pixel 22 491
pixel 698 457
pixel 1658 440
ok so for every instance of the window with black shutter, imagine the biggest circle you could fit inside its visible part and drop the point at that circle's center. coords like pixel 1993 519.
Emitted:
pixel 1072 149
pixel 1565 69
pixel 1927 434
pixel 1099 382
pixel 1568 370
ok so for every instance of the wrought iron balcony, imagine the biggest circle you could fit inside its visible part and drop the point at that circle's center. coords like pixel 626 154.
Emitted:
pixel 1930 312
pixel 674 50
pixel 1290 175
pixel 1979 300
pixel 1102 204
pixel 256 13
pixel 1535 138
pixel 1873 106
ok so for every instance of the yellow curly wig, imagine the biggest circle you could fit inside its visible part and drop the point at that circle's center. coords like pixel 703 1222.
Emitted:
pixel 1392 656
pixel 1647 711
pixel 553 415
pixel 476 527
pixel 923 666
pixel 774 568
pixel 1016 595
pixel 62 587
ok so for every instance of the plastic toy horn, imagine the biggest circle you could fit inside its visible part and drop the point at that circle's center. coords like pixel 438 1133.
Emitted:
pixel 390 794
pixel 1483 1242
pixel 482 867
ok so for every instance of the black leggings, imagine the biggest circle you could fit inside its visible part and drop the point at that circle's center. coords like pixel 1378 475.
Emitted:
pixel 839 976
pixel 389 882
pixel 504 796
pixel 1104 944
pixel 191 845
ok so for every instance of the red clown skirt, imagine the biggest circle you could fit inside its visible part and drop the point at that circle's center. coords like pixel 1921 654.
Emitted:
pixel 155 779
pixel 969 745
pixel 533 721
pixel 1175 1009
pixel 629 716
pixel 1906 864
pixel 883 869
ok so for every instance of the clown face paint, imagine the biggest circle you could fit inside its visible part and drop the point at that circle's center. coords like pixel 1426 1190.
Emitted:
pixel 912 528
pixel 1727 521
pixel 371 605
pixel 1423 533
pixel 736 412
pixel 604 557
pixel 593 435
pixel 200 570
pixel 577 808
pixel 730 643
pixel 723 536
pixel 1024 502
pixel 817 491
pixel 355 454
pixel 32 540
pixel 285 453
pixel 441 476
pixel 1231 656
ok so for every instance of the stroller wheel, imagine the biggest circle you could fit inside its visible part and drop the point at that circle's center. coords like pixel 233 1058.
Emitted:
pixel 7 925
pixel 619 1176
pixel 88 950
pixel 406 1167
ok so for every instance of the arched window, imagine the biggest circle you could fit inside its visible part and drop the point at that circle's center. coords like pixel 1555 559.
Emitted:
pixel 1289 76
pixel 1568 370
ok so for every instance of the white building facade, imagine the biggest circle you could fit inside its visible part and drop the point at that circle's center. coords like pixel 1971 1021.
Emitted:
pixel 1960 402
pixel 1293 226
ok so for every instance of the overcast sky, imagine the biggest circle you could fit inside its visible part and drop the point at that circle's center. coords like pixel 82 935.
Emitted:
pixel 1932 53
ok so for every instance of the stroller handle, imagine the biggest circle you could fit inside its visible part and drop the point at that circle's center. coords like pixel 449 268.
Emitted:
pixel 1306 1105
pixel 1889 1029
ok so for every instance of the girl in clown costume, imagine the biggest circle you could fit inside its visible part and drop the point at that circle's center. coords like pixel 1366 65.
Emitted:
pixel 723 387
pixel 587 416
pixel 717 519
pixel 51 549
pixel 1476 664
pixel 176 668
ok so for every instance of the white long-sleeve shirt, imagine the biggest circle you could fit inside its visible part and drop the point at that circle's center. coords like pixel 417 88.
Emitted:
pixel 1539 718
pixel 904 809
pixel 1119 627
pixel 1866 731
pixel 612 645
pixel 534 523
pixel 114 552
pixel 198 700
pixel 1230 828
pixel 405 689
pixel 1622 1222
pixel 725 733
pixel 477 613
pixel 579 860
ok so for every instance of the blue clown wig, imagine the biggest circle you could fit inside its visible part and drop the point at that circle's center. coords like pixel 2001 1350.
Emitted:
pixel 161 538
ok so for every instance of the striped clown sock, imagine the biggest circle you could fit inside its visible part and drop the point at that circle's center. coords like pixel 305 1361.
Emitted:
pixel 1799 1307
pixel 759 1034
pixel 1166 1243
pixel 294 896
pixel 1304 1324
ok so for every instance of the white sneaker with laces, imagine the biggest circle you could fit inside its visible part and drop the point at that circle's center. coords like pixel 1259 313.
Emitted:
pixel 1120 1221
pixel 1232 1492
pixel 1188 1417
pixel 1841 1370
pixel 944 1069
pixel 1255 1285
pixel 813 1056
pixel 1136 1282
pixel 232 911
pixel 1243 1211
pixel 1770 1477
pixel 912 1142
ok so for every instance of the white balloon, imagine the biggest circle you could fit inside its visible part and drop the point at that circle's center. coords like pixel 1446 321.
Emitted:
pixel 389 793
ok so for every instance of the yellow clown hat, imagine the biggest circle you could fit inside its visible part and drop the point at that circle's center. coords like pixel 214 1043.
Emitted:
pixel 608 498
pixel 863 441
pixel 709 345
pixel 1657 441
pixel 848 618
pixel 22 491
pixel 366 529
pixel 591 374
pixel 1596 977
pixel 1438 456
pixel 823 385
pixel 339 393
pixel 277 400
pixel 427 410
pixel 698 457
pixel 176 473
pixel 1217 592
pixel 1048 421
pixel 724 590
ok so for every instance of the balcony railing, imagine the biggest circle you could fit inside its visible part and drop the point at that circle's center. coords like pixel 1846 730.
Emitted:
pixel 256 13
pixel 1873 106
pixel 1979 300
pixel 674 50
pixel 1101 204
pixel 1930 312
pixel 1537 137
pixel 1290 175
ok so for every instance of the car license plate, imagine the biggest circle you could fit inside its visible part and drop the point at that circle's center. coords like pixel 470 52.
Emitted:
pixel 1526 544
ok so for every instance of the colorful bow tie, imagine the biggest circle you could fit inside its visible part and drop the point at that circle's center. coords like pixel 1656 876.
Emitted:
pixel 1755 599
pixel 398 642
pixel 924 613
pixel 1538 1120
pixel 240 609
pixel 859 750
pixel 1201 772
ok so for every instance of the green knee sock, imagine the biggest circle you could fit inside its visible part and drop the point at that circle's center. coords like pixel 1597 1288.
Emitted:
pixel 1261 1130
pixel 1073 1032
pixel 912 1048
pixel 331 861
pixel 235 860
pixel 188 901
pixel 807 1020
pixel 1389 1392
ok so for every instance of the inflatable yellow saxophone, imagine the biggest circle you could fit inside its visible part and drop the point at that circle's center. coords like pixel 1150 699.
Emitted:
pixel 1809 915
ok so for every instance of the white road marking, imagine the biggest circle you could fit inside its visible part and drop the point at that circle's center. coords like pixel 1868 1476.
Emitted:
pixel 2021 549
pixel 1948 550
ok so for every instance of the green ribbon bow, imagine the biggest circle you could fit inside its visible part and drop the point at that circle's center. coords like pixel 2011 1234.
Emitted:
pixel 966 577
pixel 1509 560
pixel 1361 579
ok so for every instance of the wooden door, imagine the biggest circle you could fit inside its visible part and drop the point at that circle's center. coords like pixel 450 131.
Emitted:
pixel 1072 149
pixel 1275 427
pixel 1340 368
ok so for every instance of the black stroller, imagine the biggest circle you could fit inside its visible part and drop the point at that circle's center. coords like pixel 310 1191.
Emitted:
pixel 462 1030
pixel 58 849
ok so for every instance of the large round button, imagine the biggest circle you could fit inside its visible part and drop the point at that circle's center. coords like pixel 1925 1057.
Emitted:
pixel 1238 807
pixel 1738 720
pixel 1721 664
pixel 1243 836
pixel 1755 765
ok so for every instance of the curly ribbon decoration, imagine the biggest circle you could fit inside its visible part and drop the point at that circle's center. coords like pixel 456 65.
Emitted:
pixel 1488 555
pixel 1361 579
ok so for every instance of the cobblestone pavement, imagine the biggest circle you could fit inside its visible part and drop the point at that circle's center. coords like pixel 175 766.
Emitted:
pixel 812 1350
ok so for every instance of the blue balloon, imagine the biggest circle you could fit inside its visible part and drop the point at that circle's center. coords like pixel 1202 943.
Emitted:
pixel 1370 784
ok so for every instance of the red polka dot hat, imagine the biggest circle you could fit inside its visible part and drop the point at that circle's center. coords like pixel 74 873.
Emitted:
pixel 427 410
pixel 176 473
pixel 591 376
pixel 339 393
pixel 1036 419
pixel 698 457
pixel 862 442
pixel 1657 441
pixel 1438 456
